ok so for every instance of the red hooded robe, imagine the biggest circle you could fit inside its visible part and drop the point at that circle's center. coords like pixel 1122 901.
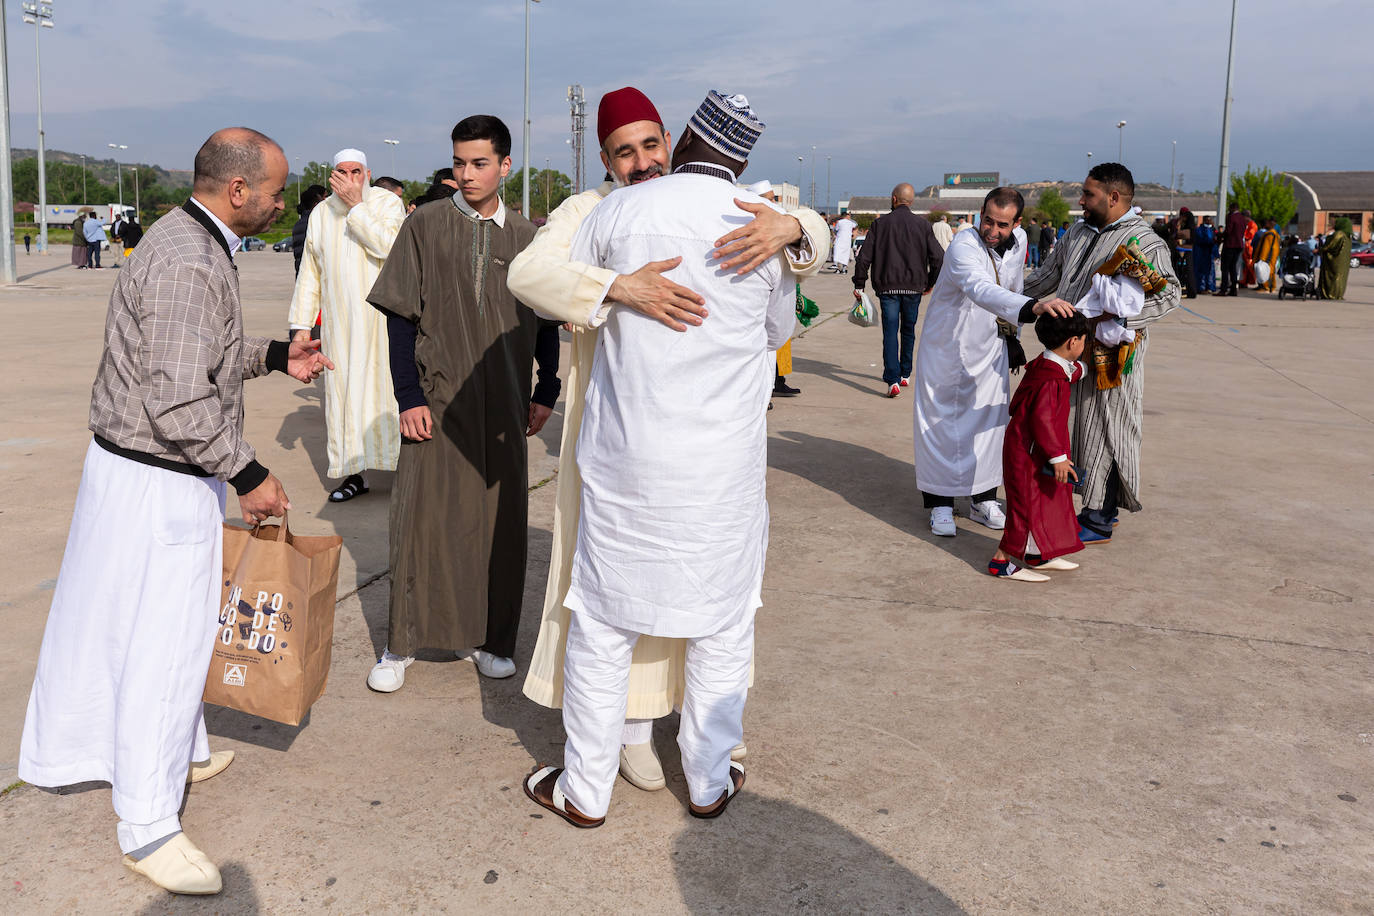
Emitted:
pixel 1037 504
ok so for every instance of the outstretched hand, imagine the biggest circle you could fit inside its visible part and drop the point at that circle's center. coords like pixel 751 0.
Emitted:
pixel 758 240
pixel 305 362
pixel 651 294
pixel 1058 307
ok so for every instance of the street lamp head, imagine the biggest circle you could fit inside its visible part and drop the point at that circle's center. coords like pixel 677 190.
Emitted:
pixel 1120 123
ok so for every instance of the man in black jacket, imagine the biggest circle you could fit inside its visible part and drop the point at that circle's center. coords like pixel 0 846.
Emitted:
pixel 905 258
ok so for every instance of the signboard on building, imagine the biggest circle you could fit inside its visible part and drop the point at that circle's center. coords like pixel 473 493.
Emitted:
pixel 985 180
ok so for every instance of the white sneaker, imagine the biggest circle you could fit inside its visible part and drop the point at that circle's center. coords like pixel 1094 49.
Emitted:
pixel 389 673
pixel 493 666
pixel 942 521
pixel 988 512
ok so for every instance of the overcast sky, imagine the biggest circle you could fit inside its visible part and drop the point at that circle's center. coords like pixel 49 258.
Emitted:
pixel 891 90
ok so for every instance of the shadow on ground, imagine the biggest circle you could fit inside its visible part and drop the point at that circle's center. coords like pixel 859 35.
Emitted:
pixel 770 856
pixel 877 484
pixel 238 897
pixel 870 383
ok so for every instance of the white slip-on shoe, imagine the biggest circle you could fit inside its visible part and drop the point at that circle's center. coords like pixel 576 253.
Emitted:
pixel 389 673
pixel 640 766
pixel 178 866
pixel 219 760
pixel 1058 564
pixel 942 521
pixel 492 666
pixel 989 513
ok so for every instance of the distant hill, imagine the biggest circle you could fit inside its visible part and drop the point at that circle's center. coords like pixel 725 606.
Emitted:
pixel 105 170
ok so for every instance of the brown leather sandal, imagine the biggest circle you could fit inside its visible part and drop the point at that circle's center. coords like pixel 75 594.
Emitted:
pixel 541 785
pixel 717 809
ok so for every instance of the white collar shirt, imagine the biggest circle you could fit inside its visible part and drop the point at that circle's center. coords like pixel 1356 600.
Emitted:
pixel 499 217
pixel 233 241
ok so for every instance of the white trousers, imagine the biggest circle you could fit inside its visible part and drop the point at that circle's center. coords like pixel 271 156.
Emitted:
pixel 596 683
pixel 117 694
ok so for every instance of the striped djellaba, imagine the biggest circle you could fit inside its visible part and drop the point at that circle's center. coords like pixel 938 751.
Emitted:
pixel 1107 424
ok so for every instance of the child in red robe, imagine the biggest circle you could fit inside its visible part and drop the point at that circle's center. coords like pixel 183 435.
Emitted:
pixel 1041 524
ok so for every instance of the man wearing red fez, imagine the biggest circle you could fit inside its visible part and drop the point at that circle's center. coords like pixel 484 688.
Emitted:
pixel 634 148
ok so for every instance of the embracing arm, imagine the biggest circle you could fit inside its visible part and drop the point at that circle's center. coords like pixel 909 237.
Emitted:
pixel 544 278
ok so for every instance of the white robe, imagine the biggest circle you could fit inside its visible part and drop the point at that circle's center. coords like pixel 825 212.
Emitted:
pixel 844 241
pixel 117 694
pixel 961 380
pixel 344 251
pixel 673 446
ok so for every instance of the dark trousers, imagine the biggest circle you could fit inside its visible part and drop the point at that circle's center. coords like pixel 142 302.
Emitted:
pixel 1034 256
pixel 1204 271
pixel 900 311
pixel 1230 269
pixel 1100 520
pixel 92 254
pixel 931 500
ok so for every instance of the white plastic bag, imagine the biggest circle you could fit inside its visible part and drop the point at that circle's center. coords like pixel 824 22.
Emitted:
pixel 1262 272
pixel 863 313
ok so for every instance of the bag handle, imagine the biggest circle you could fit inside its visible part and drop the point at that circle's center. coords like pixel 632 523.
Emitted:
pixel 281 531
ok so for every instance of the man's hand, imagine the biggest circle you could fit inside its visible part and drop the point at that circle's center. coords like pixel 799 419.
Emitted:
pixel 1064 470
pixel 268 499
pixel 417 424
pixel 651 294
pixel 347 188
pixel 300 334
pixel 539 415
pixel 304 361
pixel 762 237
pixel 858 294
pixel 1058 307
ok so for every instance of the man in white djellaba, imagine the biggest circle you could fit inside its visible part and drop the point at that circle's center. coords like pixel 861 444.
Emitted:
pixel 844 242
pixel 962 380
pixel 673 456
pixel 347 240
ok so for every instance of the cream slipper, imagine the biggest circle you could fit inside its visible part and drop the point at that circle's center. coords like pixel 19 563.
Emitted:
pixel 640 766
pixel 1058 564
pixel 178 866
pixel 739 751
pixel 204 770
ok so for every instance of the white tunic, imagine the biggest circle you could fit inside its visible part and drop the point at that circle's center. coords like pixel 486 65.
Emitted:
pixel 344 252
pixel 673 446
pixel 844 240
pixel 961 379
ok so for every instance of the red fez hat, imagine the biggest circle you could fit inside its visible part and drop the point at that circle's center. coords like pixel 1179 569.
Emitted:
pixel 624 106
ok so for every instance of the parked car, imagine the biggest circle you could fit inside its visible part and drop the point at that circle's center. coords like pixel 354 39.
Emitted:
pixel 1362 255
pixel 282 244
pixel 253 243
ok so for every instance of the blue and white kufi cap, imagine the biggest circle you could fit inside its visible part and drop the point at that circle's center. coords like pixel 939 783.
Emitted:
pixel 727 124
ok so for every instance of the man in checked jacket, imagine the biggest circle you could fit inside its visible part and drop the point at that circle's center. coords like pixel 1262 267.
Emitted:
pixel 117 694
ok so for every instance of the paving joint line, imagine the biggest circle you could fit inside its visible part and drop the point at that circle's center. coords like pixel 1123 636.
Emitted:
pixel 1182 631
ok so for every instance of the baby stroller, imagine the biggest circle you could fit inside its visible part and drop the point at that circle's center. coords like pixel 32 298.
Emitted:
pixel 1298 273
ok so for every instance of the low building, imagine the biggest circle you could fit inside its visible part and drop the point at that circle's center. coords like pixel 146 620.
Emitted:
pixel 1325 196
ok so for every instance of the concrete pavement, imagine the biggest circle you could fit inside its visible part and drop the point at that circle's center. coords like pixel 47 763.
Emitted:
pixel 1184 725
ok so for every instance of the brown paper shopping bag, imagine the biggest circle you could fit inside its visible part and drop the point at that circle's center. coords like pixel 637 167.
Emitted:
pixel 276 633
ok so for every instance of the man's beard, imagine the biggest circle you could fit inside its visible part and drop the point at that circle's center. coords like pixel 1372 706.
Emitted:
pixel 653 171
pixel 1094 219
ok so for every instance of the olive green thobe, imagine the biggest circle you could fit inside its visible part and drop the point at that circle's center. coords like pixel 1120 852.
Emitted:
pixel 460 502
pixel 1335 254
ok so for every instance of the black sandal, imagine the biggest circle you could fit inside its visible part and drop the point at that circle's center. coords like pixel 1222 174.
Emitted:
pixel 352 486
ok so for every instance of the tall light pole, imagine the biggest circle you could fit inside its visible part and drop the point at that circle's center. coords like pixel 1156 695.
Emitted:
pixel 827 184
pixel 1173 159
pixel 1224 177
pixel 813 178
pixel 546 186
pixel 393 144
pixel 83 179
pixel 801 163
pixel 1120 141
pixel 39 15
pixel 7 266
pixel 298 182
pixel 525 154
pixel 119 175
pixel 1090 162
pixel 134 169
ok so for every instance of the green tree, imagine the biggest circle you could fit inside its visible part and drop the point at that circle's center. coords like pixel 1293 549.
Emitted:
pixel 1267 195
pixel 1053 208
pixel 548 189
pixel 316 173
